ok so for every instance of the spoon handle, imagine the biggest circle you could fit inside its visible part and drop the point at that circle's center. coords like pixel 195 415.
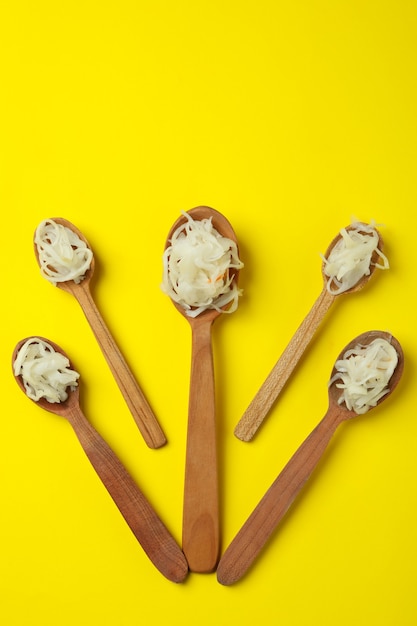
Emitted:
pixel 261 404
pixel 144 522
pixel 260 525
pixel 200 512
pixel 132 393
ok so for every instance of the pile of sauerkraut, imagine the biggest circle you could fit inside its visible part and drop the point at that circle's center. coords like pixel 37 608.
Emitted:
pixel 351 258
pixel 62 254
pixel 198 268
pixel 45 372
pixel 365 372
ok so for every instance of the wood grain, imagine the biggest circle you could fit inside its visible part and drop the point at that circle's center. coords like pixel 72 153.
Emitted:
pixel 268 393
pixel 132 393
pixel 273 385
pixel 146 525
pixel 200 540
pixel 263 521
pixel 135 399
pixel 155 539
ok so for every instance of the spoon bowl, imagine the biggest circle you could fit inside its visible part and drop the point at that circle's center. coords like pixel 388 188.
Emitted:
pixel 223 226
pixel 67 284
pixel 271 388
pixel 373 266
pixel 201 509
pixel 62 409
pixel 365 339
pixel 263 521
pixel 149 530
pixel 129 387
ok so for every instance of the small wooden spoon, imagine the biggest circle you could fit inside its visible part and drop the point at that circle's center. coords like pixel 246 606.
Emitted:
pixel 144 522
pixel 132 393
pixel 268 393
pixel 262 522
pixel 201 508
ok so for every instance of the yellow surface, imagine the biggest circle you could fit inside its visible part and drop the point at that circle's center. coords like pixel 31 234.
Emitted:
pixel 289 118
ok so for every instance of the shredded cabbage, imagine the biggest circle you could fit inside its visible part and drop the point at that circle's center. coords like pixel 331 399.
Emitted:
pixel 62 254
pixel 351 258
pixel 365 372
pixel 197 266
pixel 45 372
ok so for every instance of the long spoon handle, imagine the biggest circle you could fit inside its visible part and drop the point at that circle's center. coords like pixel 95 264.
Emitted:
pixel 200 513
pixel 132 393
pixel 144 522
pixel 258 528
pixel 261 404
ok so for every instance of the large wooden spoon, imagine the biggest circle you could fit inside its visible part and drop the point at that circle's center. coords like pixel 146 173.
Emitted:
pixel 132 393
pixel 269 391
pixel 144 522
pixel 201 507
pixel 262 522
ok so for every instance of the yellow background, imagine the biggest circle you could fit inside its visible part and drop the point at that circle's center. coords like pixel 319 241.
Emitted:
pixel 289 118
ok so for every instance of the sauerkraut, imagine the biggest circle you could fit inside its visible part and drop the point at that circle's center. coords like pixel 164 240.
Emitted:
pixel 364 373
pixel 62 254
pixel 351 258
pixel 45 373
pixel 198 268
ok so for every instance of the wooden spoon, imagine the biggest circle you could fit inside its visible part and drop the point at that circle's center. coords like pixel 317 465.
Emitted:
pixel 201 508
pixel 145 524
pixel 262 522
pixel 132 393
pixel 268 393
